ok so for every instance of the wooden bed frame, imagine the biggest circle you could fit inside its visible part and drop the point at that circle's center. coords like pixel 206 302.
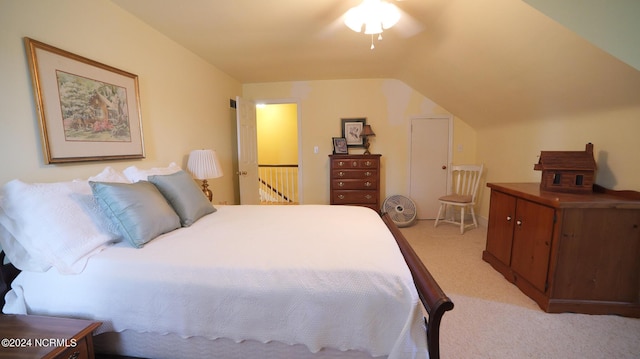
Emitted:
pixel 433 298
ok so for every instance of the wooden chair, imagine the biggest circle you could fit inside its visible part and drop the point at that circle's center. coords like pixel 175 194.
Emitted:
pixel 465 182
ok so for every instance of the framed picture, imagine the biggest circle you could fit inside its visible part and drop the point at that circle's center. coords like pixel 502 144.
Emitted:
pixel 351 130
pixel 340 145
pixel 88 111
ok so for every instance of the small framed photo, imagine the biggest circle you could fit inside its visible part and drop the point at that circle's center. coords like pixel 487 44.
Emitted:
pixel 340 146
pixel 351 130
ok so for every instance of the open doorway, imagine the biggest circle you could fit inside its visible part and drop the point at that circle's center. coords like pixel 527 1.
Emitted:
pixel 279 170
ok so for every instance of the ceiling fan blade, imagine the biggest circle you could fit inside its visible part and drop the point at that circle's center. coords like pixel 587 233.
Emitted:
pixel 336 25
pixel 408 26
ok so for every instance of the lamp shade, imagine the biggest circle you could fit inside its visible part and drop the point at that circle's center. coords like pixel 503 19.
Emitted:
pixel 204 164
pixel 367 131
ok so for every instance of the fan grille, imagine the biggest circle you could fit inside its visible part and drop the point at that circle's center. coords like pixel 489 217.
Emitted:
pixel 401 210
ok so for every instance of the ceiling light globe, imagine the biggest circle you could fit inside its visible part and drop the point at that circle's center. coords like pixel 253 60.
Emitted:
pixel 373 15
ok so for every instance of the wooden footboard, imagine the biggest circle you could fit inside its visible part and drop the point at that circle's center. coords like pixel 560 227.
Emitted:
pixel 433 298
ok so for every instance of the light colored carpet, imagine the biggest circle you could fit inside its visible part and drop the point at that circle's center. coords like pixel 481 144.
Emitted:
pixel 493 319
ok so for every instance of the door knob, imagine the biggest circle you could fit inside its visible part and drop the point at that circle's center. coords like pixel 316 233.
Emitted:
pixel 444 167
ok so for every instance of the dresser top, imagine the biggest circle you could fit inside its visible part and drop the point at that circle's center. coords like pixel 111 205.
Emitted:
pixel 355 156
pixel 532 192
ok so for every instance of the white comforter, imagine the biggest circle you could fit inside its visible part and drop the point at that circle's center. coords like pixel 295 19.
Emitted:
pixel 322 276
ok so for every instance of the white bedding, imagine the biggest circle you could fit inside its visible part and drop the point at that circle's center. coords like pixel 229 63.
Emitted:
pixel 321 276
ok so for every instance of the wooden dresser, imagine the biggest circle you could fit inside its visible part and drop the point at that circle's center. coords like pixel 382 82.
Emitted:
pixel 355 180
pixel 30 336
pixel 568 252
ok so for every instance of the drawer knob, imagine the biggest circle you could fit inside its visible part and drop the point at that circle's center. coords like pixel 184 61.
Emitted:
pixel 519 222
pixel 340 163
pixel 341 174
pixel 341 196
pixel 367 184
pixel 340 184
pixel 508 218
pixel 368 196
pixel 368 163
pixel 368 174
pixel 354 164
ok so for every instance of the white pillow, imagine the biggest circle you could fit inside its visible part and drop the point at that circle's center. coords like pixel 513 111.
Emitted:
pixel 134 174
pixel 109 174
pixel 14 251
pixel 52 224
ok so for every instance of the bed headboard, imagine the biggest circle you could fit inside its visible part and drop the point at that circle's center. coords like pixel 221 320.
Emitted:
pixel 7 274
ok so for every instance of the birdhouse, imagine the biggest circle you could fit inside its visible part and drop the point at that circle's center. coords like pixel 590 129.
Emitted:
pixel 567 171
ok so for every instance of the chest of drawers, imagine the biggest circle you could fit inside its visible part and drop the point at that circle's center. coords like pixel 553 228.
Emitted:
pixel 355 180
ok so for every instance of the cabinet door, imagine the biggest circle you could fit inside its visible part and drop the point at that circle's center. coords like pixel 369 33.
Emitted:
pixel 599 255
pixel 500 228
pixel 532 236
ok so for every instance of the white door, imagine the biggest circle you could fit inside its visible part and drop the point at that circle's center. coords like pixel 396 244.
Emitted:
pixel 430 158
pixel 247 151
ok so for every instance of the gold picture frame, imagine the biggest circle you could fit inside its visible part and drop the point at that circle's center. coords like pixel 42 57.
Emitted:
pixel 88 111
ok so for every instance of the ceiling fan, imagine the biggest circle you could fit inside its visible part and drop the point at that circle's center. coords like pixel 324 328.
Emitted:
pixel 374 16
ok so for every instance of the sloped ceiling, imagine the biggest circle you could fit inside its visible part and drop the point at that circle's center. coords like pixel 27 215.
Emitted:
pixel 486 62
pixel 612 26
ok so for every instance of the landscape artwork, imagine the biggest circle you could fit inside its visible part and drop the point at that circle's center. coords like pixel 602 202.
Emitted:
pixel 93 110
pixel 88 111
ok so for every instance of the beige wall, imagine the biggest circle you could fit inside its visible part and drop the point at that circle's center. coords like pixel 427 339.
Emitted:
pixel 185 105
pixel 184 100
pixel 511 150
pixel 388 106
pixel 508 150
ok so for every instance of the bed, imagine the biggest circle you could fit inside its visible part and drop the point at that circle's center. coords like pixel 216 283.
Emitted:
pixel 171 276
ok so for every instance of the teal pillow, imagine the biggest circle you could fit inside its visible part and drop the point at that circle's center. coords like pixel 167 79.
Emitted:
pixel 184 195
pixel 138 209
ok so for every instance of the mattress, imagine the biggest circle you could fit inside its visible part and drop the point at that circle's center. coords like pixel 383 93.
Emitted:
pixel 171 346
pixel 313 275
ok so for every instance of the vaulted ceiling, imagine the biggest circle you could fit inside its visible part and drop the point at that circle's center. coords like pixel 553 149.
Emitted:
pixel 484 61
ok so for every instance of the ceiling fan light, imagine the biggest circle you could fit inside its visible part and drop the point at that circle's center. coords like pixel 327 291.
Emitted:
pixel 374 15
pixel 372 27
pixel 354 19
pixel 389 15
